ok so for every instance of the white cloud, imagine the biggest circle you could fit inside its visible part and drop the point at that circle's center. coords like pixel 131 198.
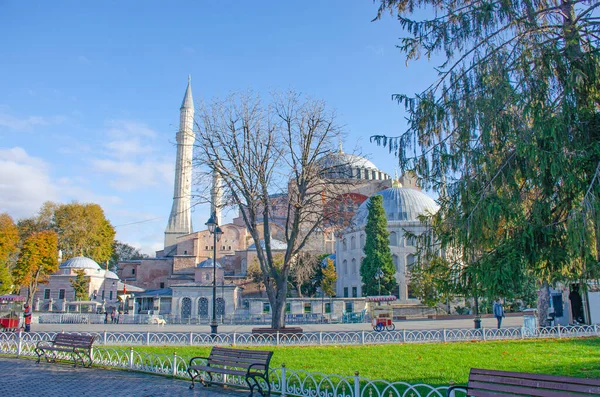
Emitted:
pixel 83 59
pixel 24 183
pixel 133 175
pixel 133 157
pixel 26 124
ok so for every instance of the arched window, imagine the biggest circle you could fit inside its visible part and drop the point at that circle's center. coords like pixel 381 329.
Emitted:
pixel 345 266
pixel 344 245
pixel 362 241
pixel 220 306
pixel 396 261
pixel 203 307
pixel 353 242
pixel 393 239
pixel 410 262
pixel 186 308
pixel 354 266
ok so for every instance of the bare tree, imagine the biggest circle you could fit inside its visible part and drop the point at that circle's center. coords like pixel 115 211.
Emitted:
pixel 260 150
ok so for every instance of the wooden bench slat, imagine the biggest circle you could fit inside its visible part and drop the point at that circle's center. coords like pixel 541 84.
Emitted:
pixel 519 390
pixel 526 375
pixel 536 383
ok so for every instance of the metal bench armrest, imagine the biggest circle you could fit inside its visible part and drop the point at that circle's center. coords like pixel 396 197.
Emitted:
pixel 264 366
pixel 198 358
pixel 453 387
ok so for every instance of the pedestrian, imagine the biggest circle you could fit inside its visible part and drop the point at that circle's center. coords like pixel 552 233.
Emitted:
pixel 112 316
pixel 27 314
pixel 498 312
pixel 105 316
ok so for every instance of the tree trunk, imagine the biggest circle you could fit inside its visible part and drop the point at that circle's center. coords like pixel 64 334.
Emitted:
pixel 543 305
pixel 278 304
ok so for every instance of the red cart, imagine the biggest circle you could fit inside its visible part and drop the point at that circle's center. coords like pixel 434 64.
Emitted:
pixel 382 315
pixel 10 312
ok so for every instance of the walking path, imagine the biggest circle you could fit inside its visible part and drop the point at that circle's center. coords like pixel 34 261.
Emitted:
pixel 24 377
pixel 403 324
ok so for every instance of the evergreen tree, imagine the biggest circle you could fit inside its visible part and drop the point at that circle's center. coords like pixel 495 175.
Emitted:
pixel 81 285
pixel 378 255
pixel 508 135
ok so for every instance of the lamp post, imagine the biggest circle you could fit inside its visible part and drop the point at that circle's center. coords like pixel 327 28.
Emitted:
pixel 378 277
pixel 215 230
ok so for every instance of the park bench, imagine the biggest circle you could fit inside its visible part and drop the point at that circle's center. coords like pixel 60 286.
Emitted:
pixel 252 365
pixel 79 346
pixel 485 382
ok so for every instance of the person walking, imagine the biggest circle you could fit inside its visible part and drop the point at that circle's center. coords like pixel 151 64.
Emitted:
pixel 112 316
pixel 27 314
pixel 498 312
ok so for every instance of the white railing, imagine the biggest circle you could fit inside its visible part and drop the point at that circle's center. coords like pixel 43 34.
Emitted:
pixel 315 338
pixel 284 381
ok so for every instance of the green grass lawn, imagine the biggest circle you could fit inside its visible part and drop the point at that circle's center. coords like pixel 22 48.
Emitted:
pixel 434 364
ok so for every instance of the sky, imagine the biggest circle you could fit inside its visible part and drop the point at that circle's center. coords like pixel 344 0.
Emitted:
pixel 90 91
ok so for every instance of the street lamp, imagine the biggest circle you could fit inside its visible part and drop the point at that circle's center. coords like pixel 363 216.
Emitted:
pixel 378 277
pixel 215 230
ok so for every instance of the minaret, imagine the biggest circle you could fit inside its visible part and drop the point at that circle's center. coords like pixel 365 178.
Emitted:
pixel 215 198
pixel 180 221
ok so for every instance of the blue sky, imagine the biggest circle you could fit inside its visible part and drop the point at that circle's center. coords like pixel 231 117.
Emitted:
pixel 90 91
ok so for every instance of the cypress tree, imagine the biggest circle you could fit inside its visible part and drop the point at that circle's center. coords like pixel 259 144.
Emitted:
pixel 377 252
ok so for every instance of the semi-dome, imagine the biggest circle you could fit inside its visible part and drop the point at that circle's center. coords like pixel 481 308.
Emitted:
pixel 400 204
pixel 209 263
pixel 111 275
pixel 80 262
pixel 340 165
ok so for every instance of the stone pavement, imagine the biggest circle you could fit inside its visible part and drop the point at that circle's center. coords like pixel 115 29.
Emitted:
pixel 24 377
pixel 403 324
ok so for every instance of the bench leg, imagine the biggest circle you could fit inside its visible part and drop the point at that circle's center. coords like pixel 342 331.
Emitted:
pixel 198 374
pixel 39 353
pixel 256 384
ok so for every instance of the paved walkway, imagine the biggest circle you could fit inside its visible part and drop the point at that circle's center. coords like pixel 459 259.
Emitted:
pixel 403 324
pixel 24 377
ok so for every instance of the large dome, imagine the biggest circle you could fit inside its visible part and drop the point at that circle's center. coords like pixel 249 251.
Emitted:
pixel 400 204
pixel 340 165
pixel 80 262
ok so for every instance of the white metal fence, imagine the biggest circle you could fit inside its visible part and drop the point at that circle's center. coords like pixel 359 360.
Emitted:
pixel 284 381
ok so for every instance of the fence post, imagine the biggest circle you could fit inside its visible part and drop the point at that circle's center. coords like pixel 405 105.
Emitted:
pixel 104 337
pixel 234 338
pixel 362 337
pixel 444 335
pixel 147 338
pixel 595 328
pixel 283 380
pixel 356 384
pixel 19 343
pixel 174 373
pixel 131 358
pixel 320 337
pixel 277 338
pixel 191 338
pixel 483 333
pixel 559 334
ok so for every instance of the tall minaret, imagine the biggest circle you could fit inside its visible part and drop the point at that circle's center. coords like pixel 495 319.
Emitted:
pixel 180 221
pixel 216 195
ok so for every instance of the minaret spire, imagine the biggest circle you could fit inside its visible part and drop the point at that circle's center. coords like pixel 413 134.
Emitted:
pixel 180 220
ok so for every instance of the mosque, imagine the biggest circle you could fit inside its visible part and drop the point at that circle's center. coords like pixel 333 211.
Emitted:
pixel 178 281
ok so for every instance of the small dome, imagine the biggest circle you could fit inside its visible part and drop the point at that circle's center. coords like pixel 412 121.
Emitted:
pixel 400 204
pixel 209 263
pixel 80 262
pixel 110 275
pixel 275 245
